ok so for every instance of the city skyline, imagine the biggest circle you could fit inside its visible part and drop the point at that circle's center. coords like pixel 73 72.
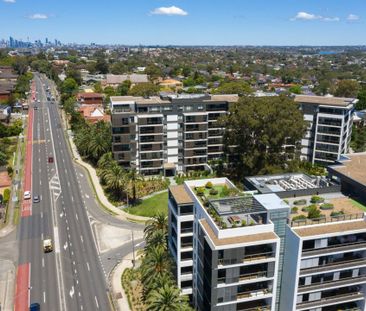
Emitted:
pixel 179 22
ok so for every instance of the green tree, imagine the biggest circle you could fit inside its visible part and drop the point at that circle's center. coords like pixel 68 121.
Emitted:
pixel 3 159
pixel 123 88
pixel 101 65
pixel 69 86
pixel 158 222
pixel 144 89
pixel 20 65
pixel 116 180
pixel 167 298
pixel 98 87
pixel 358 139
pixel 296 89
pixel 361 105
pixel 153 71
pixel 347 88
pixel 259 128
pixel 69 105
pixel 236 87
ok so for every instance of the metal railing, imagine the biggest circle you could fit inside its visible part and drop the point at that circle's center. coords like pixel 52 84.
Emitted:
pixel 259 256
pixel 327 266
pixel 324 220
pixel 325 284
pixel 259 308
pixel 243 277
pixel 330 299
pixel 251 294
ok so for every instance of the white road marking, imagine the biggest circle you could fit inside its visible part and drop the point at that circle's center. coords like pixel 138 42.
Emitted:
pixel 72 199
pixel 41 214
pixel 44 297
pixel 76 216
pixel 96 301
pixel 42 236
pixel 87 265
pixel 73 262
pixel 43 262
pixel 40 182
pixel 81 238
pixel 57 240
pixel 72 291
pixel 65 246
pixel 87 196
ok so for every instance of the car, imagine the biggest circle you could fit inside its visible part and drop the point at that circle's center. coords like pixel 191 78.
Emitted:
pixel 47 245
pixel 35 108
pixel 36 199
pixel 27 195
pixel 38 101
pixel 35 307
pixel 50 159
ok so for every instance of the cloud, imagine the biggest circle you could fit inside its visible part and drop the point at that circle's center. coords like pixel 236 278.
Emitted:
pixel 172 10
pixel 9 1
pixel 38 16
pixel 353 17
pixel 304 16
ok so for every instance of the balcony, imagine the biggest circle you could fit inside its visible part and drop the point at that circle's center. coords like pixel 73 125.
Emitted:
pixel 243 277
pixel 330 300
pixel 254 293
pixel 330 284
pixel 348 263
pixel 248 258
pixel 259 308
pixel 334 248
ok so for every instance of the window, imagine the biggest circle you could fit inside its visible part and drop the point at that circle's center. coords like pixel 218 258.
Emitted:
pixel 124 121
pixel 125 147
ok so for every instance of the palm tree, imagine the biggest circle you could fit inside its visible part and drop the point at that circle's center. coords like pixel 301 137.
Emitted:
pixel 82 139
pixel 106 160
pixel 155 264
pixel 158 222
pixel 133 177
pixel 166 298
pixel 157 239
pixel 116 179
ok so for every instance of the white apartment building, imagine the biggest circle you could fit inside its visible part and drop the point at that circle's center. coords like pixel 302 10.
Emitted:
pixel 225 245
pixel 329 127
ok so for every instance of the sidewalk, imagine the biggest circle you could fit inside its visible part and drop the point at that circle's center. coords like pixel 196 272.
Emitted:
pixel 118 292
pixel 98 190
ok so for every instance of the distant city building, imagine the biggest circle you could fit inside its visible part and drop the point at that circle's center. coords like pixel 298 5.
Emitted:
pixel 168 134
pixel 329 127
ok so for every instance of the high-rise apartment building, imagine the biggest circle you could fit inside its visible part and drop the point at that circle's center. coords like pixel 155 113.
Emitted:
pixel 329 127
pixel 168 134
pixel 225 245
pixel 254 250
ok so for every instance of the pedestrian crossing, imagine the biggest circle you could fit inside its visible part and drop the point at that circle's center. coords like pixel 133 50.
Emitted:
pixel 55 186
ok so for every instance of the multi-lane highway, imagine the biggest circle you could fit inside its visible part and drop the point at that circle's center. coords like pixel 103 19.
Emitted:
pixel 71 277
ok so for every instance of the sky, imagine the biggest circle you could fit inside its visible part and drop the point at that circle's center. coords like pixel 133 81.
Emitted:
pixel 187 22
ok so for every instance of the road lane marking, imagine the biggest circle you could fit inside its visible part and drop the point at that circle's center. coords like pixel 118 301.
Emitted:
pixel 42 236
pixel 96 301
pixel 44 297
pixel 77 218
pixel 57 240
pixel 72 199
pixel 41 214
pixel 81 238
pixel 87 196
pixel 87 265
pixel 72 291
pixel 43 262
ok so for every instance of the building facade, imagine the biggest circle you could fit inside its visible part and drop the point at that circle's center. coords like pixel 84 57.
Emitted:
pixel 226 248
pixel 168 134
pixel 329 128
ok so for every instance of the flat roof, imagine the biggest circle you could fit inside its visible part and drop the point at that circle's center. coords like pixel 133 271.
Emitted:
pixel 288 182
pixel 138 100
pixel 180 194
pixel 324 229
pixel 239 239
pixel 325 100
pixel 352 166
pixel 236 205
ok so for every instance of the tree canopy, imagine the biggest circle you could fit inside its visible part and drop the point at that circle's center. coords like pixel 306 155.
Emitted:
pixel 235 87
pixel 259 128
pixel 347 88
pixel 144 89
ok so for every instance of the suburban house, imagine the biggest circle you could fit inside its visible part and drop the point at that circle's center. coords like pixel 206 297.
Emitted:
pixel 115 80
pixel 89 98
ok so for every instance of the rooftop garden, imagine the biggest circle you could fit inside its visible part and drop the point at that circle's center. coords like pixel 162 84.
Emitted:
pixel 317 209
pixel 212 192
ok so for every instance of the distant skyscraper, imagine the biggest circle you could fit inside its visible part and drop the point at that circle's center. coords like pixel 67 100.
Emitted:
pixel 11 42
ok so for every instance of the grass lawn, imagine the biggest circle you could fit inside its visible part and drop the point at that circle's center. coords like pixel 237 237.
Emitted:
pixel 151 206
pixel 358 204
pixel 216 196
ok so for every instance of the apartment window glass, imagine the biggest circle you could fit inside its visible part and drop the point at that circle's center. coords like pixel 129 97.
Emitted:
pixel 188 108
pixel 124 121
pixel 124 147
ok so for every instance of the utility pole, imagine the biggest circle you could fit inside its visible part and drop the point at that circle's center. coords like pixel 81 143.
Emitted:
pixel 133 250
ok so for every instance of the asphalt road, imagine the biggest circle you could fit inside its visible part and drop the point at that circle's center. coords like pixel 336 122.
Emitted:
pixel 71 277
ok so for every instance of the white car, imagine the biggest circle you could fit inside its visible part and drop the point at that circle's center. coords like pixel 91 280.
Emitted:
pixel 27 195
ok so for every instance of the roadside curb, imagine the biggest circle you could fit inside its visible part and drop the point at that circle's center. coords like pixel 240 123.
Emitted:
pixel 98 191
pixel 118 294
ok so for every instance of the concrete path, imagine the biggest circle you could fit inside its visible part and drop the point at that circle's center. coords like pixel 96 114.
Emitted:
pixel 120 298
pixel 7 277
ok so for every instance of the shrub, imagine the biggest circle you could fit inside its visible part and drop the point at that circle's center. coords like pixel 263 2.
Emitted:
pixel 286 201
pixel 213 191
pixel 336 213
pixel 6 196
pixel 10 171
pixel 252 223
pixel 300 202
pixel 294 210
pixel 316 199
pixel 234 225
pixel 200 191
pixel 313 212
pixel 299 217
pixel 209 185
pixel 225 191
pixel 326 206
pixel 224 225
pixel 243 223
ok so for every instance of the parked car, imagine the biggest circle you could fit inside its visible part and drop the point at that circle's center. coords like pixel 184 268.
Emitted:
pixel 35 307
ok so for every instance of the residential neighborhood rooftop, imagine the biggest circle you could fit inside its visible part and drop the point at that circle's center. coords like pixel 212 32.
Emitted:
pixel 180 194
